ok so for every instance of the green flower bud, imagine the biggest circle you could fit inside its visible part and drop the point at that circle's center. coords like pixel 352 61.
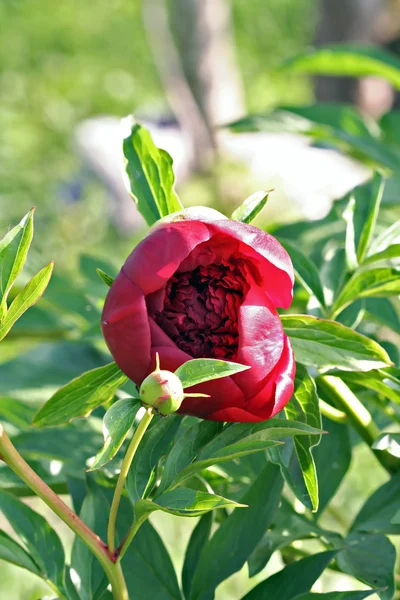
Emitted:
pixel 163 390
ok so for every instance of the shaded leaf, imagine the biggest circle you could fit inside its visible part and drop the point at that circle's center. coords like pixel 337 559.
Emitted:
pixel 117 422
pixel 335 450
pixel 238 534
pixel 41 541
pixel 287 527
pixel 351 595
pixel 150 175
pixel 199 370
pixel 329 345
pixel 376 516
pixel 81 395
pixel 92 578
pixel 305 271
pixel 186 449
pixel 197 541
pixel 238 440
pixel 251 207
pixel 371 559
pixel 292 580
pixel 13 553
pixel 154 444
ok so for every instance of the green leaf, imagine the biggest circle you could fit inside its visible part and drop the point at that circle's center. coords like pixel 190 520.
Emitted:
pixel 186 449
pixel 150 175
pixel 108 280
pixel 293 580
pixel 92 579
pixel 13 553
pixel 16 412
pixel 389 442
pixel 305 271
pixel 41 541
pixel 379 381
pixel 198 539
pixel 335 450
pixel 351 595
pixel 184 502
pixel 117 421
pixel 367 213
pixel 376 516
pixel 371 559
pixel 251 207
pixel 200 370
pixel 329 345
pixel 147 564
pixel 153 446
pixel 29 296
pixel 386 238
pixel 238 534
pixel 338 125
pixel 235 441
pixel 287 527
pixel 14 249
pixel 72 444
pixel 383 311
pixel 389 253
pixel 81 395
pixel 349 60
pixel 378 283
pixel 304 407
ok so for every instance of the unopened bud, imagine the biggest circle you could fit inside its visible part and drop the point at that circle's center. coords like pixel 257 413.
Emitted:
pixel 163 390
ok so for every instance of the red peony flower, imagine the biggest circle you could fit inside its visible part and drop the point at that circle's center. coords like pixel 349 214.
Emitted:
pixel 203 286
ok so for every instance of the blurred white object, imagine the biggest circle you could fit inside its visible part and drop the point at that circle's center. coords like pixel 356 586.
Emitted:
pixel 306 179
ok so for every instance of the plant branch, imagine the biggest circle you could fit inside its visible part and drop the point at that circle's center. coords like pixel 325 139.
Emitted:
pixel 332 413
pixel 358 416
pixel 130 453
pixel 14 460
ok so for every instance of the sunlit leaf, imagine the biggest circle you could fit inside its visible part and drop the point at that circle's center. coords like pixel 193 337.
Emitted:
pixel 81 395
pixel 13 252
pixel 329 345
pixel 29 295
pixel 117 421
pixel 150 175
pixel 251 207
pixel 200 370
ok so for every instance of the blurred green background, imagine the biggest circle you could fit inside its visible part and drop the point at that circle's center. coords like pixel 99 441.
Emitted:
pixel 63 63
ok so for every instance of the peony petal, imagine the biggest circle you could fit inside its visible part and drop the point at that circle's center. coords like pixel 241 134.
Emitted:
pixel 159 255
pixel 279 386
pixel 126 328
pixel 277 268
pixel 261 340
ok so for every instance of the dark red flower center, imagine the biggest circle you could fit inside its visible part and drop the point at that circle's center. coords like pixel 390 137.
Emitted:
pixel 201 307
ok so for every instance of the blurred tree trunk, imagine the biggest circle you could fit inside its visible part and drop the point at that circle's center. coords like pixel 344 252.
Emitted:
pixel 193 47
pixel 345 21
pixel 204 33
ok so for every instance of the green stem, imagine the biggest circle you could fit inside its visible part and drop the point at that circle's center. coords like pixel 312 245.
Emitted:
pixel 358 416
pixel 21 468
pixel 130 535
pixel 130 453
pixel 332 413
